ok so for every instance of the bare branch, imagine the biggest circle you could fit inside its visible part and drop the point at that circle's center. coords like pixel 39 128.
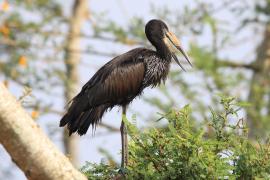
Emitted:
pixel 109 127
pixel 28 146
pixel 238 65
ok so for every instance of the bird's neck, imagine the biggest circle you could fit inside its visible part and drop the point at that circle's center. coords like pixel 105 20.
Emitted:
pixel 164 52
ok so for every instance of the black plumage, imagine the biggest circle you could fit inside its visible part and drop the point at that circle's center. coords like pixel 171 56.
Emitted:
pixel 122 79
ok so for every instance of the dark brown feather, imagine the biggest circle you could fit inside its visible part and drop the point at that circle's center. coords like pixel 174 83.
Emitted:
pixel 117 83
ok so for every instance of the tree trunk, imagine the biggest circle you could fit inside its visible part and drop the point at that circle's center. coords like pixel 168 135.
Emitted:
pixel 28 146
pixel 80 10
pixel 259 87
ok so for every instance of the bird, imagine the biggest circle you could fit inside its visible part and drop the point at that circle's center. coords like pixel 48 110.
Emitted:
pixel 121 80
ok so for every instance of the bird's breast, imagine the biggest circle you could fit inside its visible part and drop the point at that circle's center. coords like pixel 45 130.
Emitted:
pixel 156 72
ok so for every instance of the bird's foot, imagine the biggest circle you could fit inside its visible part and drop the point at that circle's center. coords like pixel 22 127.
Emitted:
pixel 123 171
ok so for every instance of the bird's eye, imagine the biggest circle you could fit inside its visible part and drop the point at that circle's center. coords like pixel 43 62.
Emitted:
pixel 166 27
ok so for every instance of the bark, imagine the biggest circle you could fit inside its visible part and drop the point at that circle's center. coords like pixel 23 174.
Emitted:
pixel 28 146
pixel 80 11
pixel 259 88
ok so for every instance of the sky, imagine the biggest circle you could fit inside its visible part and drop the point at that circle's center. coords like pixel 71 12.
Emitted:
pixel 121 11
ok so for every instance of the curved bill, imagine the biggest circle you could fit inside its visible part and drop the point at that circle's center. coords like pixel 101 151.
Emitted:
pixel 177 61
pixel 176 43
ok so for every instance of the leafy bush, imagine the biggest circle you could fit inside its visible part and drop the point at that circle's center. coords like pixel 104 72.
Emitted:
pixel 181 150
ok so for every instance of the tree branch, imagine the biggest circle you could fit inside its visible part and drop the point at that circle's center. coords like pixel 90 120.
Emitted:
pixel 238 65
pixel 28 146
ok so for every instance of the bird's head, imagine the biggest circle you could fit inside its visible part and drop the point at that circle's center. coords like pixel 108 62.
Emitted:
pixel 158 33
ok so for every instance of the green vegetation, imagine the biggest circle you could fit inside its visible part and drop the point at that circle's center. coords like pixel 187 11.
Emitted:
pixel 228 42
pixel 186 150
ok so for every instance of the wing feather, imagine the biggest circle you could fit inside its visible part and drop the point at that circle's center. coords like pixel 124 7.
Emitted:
pixel 117 82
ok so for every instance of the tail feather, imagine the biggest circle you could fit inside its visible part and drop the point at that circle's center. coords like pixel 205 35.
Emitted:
pixel 75 108
pixel 92 117
pixel 78 117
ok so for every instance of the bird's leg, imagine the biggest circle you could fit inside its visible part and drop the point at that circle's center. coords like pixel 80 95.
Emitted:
pixel 124 140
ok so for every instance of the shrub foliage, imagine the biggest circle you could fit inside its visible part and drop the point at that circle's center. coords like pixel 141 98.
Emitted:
pixel 185 149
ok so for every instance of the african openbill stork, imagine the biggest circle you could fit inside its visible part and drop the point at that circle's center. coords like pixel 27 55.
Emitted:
pixel 122 79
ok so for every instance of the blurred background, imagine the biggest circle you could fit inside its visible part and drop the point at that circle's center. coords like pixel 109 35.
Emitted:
pixel 50 48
